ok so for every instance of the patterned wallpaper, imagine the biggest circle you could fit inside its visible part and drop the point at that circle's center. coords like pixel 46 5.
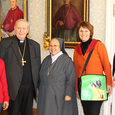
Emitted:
pixel 37 25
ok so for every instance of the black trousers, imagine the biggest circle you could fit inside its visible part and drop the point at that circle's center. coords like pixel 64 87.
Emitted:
pixel 23 102
pixel 91 107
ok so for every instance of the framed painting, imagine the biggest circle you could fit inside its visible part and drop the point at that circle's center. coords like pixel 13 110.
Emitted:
pixel 10 11
pixel 62 19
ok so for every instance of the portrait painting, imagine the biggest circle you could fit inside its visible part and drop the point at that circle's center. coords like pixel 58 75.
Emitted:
pixel 66 14
pixel 63 17
pixel 11 11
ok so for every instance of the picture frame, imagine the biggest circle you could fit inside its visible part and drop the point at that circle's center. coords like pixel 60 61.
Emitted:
pixel 22 4
pixel 83 9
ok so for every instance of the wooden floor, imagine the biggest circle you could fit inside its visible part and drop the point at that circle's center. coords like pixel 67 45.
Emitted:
pixel 6 113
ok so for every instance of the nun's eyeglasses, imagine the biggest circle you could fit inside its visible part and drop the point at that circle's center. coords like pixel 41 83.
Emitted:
pixel 53 46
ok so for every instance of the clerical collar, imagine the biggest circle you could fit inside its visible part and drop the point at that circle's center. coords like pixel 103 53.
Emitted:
pixel 56 56
pixel 21 41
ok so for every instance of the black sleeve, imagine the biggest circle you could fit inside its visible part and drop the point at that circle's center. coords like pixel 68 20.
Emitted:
pixel 113 64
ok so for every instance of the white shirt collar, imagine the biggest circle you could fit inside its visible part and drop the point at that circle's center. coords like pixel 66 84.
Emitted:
pixel 21 41
pixel 56 56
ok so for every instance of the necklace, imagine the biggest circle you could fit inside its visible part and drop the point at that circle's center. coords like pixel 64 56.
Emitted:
pixel 49 68
pixel 23 53
pixel 12 18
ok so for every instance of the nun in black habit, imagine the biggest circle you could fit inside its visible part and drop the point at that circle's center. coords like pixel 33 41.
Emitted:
pixel 57 82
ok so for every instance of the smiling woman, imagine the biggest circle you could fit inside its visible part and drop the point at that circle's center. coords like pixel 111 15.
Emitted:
pixel 57 82
pixel 86 25
pixel 97 65
pixel 84 34
pixel 54 47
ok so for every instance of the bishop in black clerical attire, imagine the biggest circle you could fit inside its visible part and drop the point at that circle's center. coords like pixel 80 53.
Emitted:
pixel 22 61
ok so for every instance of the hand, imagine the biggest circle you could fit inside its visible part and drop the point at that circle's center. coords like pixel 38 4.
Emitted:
pixel 5 105
pixel 37 92
pixel 10 34
pixel 67 98
pixel 109 90
pixel 61 23
pixel 77 95
pixel 2 26
pixel 58 24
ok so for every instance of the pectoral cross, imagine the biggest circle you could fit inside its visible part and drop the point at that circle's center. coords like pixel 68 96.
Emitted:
pixel 48 74
pixel 11 20
pixel 23 62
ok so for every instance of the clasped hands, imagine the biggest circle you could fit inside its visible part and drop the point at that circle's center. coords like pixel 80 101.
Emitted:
pixel 67 98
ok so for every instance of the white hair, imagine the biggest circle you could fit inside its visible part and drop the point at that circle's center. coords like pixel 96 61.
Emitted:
pixel 22 20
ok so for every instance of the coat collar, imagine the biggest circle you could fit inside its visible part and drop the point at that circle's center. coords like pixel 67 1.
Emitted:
pixel 91 46
pixel 16 50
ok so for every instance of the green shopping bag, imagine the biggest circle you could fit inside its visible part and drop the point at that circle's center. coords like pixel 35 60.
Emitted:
pixel 93 88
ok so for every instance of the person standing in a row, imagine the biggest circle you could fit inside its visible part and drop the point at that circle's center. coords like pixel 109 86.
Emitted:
pixel 98 64
pixel 57 82
pixel 4 96
pixel 22 61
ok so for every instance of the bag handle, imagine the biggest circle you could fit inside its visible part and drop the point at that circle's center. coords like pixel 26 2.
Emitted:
pixel 87 61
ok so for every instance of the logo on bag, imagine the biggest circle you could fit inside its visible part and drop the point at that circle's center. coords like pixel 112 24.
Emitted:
pixel 98 94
